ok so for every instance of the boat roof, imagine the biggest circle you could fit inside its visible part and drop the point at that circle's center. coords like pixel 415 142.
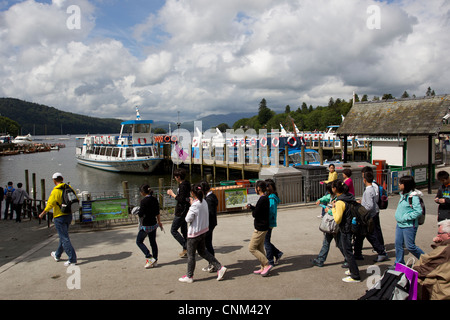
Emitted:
pixel 136 122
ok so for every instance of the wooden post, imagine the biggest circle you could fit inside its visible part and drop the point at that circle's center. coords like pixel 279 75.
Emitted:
pixel 126 193
pixel 320 151
pixel 33 181
pixel 27 182
pixel 286 158
pixel 303 155
pixel 43 197
pixel 160 191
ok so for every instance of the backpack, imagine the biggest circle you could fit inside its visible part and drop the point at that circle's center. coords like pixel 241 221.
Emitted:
pixel 9 193
pixel 364 220
pixel 421 219
pixel 392 286
pixel 382 197
pixel 70 202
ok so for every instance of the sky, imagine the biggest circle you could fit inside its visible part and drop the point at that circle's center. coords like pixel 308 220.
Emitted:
pixel 199 57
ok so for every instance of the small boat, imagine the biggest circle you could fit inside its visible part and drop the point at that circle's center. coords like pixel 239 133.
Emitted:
pixel 133 151
pixel 23 139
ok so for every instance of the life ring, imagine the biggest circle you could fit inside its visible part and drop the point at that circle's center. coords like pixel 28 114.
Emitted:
pixel 253 141
pixel 275 145
pixel 142 139
pixel 290 143
pixel 167 139
pixel 174 139
pixel 261 140
pixel 195 142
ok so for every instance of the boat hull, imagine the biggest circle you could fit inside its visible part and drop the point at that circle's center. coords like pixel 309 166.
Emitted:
pixel 129 166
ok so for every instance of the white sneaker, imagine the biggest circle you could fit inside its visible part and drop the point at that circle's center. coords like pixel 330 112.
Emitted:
pixel 186 279
pixel 350 279
pixel 53 254
pixel 221 273
pixel 150 263
pixel 209 268
pixel 68 263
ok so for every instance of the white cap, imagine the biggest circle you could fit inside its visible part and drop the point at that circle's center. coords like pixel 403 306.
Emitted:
pixel 56 175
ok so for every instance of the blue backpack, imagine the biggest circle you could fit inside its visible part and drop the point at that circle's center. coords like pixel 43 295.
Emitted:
pixel 382 197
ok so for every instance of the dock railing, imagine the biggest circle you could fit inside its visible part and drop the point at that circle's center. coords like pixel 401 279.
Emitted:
pixel 304 190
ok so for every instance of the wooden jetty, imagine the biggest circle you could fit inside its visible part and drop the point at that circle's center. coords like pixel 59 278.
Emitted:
pixel 213 159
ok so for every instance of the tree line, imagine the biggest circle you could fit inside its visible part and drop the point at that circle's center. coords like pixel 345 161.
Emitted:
pixel 308 118
pixel 18 117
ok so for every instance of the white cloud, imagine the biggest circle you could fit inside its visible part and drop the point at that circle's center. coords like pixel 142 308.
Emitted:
pixel 203 57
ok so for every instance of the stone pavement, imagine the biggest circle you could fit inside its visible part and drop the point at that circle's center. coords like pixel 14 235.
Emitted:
pixel 111 266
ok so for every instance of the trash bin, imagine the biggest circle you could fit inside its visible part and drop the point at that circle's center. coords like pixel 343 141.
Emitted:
pixel 312 175
pixel 288 182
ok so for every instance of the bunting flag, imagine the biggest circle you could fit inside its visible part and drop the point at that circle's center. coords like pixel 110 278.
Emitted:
pixel 181 154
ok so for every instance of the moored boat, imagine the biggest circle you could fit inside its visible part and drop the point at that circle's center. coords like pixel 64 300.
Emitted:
pixel 133 151
pixel 23 139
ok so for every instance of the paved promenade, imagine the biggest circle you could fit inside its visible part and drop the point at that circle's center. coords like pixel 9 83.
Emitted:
pixel 111 266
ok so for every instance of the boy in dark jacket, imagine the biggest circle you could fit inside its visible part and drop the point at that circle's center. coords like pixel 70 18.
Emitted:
pixel 443 196
pixel 181 209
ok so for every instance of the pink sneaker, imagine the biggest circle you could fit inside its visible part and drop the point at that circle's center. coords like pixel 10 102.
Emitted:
pixel 257 271
pixel 266 270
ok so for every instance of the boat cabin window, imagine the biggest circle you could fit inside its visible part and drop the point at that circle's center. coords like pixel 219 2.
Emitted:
pixel 142 128
pixel 115 152
pixel 129 153
pixel 143 152
pixel 109 151
pixel 102 151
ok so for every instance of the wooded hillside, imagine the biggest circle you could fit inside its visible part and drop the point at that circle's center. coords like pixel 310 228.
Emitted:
pixel 43 120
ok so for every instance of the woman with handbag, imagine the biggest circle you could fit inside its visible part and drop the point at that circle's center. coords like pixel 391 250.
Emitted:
pixel 330 233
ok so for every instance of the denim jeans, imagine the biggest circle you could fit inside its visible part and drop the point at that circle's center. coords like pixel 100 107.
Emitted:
pixel 327 239
pixel 406 237
pixel 177 223
pixel 62 224
pixel 271 250
pixel 197 244
pixel 152 238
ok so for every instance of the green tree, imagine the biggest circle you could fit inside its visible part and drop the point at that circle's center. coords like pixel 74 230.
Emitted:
pixel 264 113
pixel 287 109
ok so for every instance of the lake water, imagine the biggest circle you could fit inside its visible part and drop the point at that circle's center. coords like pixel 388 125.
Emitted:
pixel 98 182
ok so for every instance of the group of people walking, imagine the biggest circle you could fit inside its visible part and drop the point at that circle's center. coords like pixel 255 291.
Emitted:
pixel 341 196
pixel 196 217
pixel 14 199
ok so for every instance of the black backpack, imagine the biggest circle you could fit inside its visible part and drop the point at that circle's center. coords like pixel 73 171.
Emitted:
pixel 392 286
pixel 364 220
pixel 421 219
pixel 70 202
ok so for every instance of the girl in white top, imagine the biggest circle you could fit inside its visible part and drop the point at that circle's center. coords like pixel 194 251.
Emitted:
pixel 198 220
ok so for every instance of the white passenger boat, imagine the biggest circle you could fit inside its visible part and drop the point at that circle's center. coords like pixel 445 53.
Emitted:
pixel 133 151
pixel 28 139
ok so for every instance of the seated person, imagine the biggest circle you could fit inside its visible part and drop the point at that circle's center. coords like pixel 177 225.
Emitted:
pixel 434 267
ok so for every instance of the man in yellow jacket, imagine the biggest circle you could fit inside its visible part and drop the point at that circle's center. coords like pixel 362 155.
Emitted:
pixel 61 220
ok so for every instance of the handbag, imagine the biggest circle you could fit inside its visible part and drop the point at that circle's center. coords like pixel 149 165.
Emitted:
pixel 412 275
pixel 328 225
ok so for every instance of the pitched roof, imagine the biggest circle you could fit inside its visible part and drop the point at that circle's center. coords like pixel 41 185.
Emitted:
pixel 405 117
